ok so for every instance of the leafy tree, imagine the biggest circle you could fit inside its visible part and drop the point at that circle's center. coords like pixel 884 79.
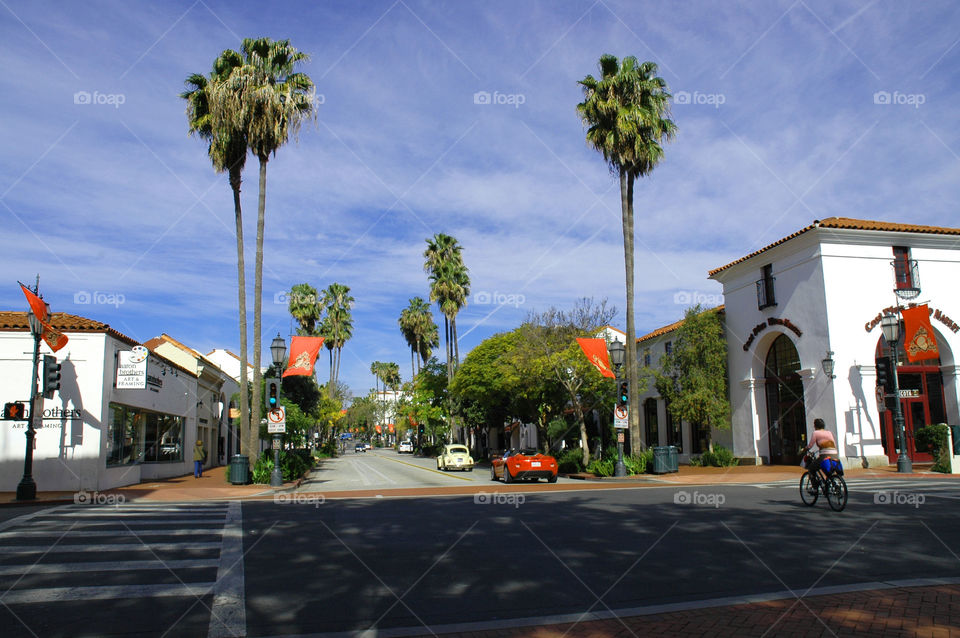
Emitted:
pixel 692 378
pixel 625 111
pixel 227 149
pixel 264 100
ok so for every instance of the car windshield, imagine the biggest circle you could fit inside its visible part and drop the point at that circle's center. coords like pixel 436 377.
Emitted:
pixel 528 452
pixel 457 449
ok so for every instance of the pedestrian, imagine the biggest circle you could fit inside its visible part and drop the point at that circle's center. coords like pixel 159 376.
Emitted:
pixel 199 456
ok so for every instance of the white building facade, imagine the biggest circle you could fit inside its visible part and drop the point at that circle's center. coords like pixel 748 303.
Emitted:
pixel 818 295
pixel 93 435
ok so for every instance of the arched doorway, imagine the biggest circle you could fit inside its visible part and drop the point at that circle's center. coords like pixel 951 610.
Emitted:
pixel 786 414
pixel 921 401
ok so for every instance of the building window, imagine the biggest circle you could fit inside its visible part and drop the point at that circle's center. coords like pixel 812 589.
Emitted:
pixel 905 270
pixel 668 347
pixel 139 436
pixel 650 418
pixel 646 357
pixel 674 435
pixel 765 294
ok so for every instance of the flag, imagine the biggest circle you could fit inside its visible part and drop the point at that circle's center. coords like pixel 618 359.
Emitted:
pixel 36 303
pixel 303 354
pixel 596 351
pixel 918 338
pixel 53 337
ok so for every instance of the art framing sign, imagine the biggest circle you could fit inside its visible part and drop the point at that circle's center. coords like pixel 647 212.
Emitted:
pixel 132 369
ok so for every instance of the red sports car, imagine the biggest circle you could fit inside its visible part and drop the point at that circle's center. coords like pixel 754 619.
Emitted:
pixel 523 465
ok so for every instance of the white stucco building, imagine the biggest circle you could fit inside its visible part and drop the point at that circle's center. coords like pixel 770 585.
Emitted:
pixel 818 294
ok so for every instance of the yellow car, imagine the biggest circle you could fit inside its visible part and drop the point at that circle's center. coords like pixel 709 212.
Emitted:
pixel 455 457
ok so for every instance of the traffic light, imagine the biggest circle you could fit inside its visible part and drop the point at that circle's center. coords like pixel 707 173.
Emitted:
pixel 273 394
pixel 13 411
pixel 884 376
pixel 51 376
pixel 623 394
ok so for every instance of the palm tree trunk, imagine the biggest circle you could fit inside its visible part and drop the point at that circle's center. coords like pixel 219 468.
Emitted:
pixel 244 429
pixel 584 442
pixel 418 356
pixel 626 207
pixel 257 307
pixel 413 364
pixel 456 346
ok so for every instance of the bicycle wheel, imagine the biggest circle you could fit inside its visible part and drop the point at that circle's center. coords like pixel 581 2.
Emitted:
pixel 836 493
pixel 808 493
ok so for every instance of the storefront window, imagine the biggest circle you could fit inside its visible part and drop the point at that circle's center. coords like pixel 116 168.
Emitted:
pixel 137 436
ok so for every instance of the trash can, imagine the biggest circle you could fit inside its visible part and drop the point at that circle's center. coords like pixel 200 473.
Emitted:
pixel 665 459
pixel 239 470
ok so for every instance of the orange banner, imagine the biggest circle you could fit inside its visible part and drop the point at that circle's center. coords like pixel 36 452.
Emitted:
pixel 379 429
pixel 53 337
pixel 596 351
pixel 36 303
pixel 918 338
pixel 303 354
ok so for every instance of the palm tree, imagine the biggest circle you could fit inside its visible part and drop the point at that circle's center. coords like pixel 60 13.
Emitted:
pixel 227 149
pixel 626 112
pixel 449 288
pixel 420 332
pixel 407 321
pixel 267 100
pixel 304 306
pixel 428 337
pixel 338 303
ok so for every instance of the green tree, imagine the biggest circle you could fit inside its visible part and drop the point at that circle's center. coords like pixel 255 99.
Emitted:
pixel 692 378
pixel 304 305
pixel 338 325
pixel 266 99
pixel 625 112
pixel 227 149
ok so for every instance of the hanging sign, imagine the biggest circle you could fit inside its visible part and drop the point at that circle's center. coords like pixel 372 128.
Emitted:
pixel 132 368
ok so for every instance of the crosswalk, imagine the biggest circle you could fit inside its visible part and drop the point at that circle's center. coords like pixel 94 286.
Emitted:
pixel 122 555
pixel 945 488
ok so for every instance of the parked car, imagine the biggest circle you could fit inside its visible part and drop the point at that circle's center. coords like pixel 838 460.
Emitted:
pixel 405 446
pixel 455 457
pixel 523 465
pixel 359 447
pixel 367 446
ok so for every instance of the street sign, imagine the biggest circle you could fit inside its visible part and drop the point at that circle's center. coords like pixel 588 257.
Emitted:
pixel 881 399
pixel 276 444
pixel 277 421
pixel 620 417
pixel 620 437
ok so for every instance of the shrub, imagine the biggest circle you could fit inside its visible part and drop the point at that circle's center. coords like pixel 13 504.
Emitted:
pixel 571 461
pixel 294 464
pixel 601 467
pixel 696 461
pixel 933 439
pixel 636 464
pixel 722 457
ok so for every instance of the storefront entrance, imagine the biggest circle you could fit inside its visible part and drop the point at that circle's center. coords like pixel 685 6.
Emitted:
pixel 786 413
pixel 921 399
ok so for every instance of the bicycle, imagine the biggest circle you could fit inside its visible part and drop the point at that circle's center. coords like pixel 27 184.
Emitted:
pixel 829 482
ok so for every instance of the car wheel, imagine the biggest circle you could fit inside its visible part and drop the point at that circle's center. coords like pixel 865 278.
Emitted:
pixel 493 473
pixel 507 478
pixel 439 465
pixel 552 479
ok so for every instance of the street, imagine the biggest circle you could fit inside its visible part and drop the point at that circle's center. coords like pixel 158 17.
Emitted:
pixel 409 566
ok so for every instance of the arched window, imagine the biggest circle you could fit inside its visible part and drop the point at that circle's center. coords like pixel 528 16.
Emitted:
pixel 786 414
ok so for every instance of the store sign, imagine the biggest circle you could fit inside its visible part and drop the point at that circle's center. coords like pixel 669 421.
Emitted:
pixel 132 369
pixel 935 313
pixel 772 321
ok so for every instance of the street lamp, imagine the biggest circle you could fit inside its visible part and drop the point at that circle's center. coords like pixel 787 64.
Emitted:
pixel 890 325
pixel 278 350
pixel 617 356
pixel 27 487
pixel 827 364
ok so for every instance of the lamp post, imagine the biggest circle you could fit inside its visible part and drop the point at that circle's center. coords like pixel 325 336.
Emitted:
pixel 278 350
pixel 617 356
pixel 827 365
pixel 27 487
pixel 890 325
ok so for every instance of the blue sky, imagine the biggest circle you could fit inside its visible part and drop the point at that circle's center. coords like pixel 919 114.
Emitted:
pixel 787 112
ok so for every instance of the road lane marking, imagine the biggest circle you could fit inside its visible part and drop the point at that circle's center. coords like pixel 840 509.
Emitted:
pixel 377 472
pixel 420 467
pixel 228 616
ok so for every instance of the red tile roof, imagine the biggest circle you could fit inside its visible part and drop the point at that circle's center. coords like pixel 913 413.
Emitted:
pixel 659 332
pixel 17 322
pixel 848 223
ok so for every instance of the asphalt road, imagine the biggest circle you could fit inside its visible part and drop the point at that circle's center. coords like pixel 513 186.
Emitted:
pixel 302 567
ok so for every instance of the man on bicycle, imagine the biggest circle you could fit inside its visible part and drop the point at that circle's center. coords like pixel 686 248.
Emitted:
pixel 826 447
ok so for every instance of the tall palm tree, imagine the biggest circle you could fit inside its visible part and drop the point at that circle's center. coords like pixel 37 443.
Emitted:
pixel 407 322
pixel 268 100
pixel 304 306
pixel 626 113
pixel 420 332
pixel 338 302
pixel 227 149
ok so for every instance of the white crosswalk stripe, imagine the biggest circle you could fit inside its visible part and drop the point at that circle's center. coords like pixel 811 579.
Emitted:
pixel 872 485
pixel 140 545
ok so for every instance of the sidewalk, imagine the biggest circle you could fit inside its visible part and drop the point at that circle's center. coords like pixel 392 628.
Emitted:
pixel 931 611
pixel 213 486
